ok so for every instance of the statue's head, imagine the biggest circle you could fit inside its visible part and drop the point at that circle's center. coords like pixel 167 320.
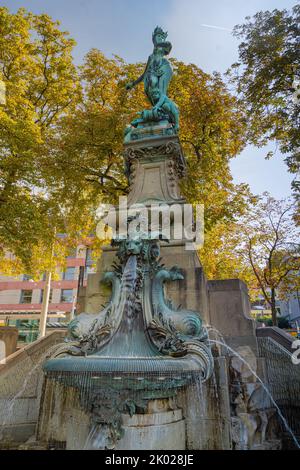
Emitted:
pixel 159 35
pixel 159 39
pixel 133 246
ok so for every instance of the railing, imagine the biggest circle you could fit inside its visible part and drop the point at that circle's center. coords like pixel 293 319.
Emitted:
pixel 282 376
pixel 277 335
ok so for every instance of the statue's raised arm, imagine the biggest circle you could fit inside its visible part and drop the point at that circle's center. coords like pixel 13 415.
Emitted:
pixel 138 80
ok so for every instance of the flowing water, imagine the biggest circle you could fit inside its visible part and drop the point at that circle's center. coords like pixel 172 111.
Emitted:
pixel 11 402
pixel 217 399
pixel 97 438
pixel 99 435
pixel 286 425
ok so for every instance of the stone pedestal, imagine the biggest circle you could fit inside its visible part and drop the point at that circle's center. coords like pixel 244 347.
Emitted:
pixel 154 166
pixel 206 408
pixel 159 429
pixel 201 418
pixel 77 430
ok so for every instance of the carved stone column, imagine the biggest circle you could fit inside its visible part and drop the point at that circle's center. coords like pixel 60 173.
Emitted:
pixel 154 167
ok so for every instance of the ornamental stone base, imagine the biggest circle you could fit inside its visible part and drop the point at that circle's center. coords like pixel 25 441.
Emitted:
pixel 160 429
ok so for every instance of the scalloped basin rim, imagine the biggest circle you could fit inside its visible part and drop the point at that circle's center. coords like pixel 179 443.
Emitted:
pixel 131 365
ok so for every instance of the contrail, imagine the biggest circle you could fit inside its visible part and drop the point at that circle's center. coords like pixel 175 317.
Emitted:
pixel 215 27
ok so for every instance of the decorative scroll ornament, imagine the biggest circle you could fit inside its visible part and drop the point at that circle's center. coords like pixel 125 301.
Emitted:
pixel 106 408
pixel 171 150
pixel 173 331
pixel 166 338
pixel 166 149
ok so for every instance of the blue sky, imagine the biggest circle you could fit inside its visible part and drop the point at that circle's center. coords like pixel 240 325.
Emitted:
pixel 200 33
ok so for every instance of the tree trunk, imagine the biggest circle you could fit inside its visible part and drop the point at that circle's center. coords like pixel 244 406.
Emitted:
pixel 45 305
pixel 273 307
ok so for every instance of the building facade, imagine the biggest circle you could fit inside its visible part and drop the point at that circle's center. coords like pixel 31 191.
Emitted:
pixel 21 297
pixel 290 308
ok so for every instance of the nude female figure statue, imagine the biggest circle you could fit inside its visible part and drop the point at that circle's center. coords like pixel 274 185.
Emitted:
pixel 158 71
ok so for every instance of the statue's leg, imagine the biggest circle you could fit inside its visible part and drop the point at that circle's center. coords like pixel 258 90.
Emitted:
pixel 163 83
pixel 168 110
pixel 151 82
pixel 148 94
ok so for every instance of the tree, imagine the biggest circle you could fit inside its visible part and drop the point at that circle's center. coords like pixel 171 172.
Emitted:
pixel 269 242
pixel 62 140
pixel 89 143
pixel 41 82
pixel 266 77
pixel 212 132
pixel 87 149
pixel 222 258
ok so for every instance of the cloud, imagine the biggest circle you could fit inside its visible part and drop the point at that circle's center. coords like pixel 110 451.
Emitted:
pixel 215 27
pixel 200 33
pixel 200 30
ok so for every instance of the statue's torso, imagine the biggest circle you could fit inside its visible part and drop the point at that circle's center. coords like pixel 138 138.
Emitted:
pixel 158 65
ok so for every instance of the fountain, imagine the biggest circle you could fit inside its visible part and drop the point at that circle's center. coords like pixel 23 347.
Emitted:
pixel 136 371
pixel 133 358
pixel 127 364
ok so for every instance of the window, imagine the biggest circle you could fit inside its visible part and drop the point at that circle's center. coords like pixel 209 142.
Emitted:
pixel 68 274
pixel 66 295
pixel 26 277
pixel 278 310
pixel 88 257
pixel 88 270
pixel 42 296
pixel 26 296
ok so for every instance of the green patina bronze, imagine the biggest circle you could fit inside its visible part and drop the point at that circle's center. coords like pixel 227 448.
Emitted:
pixel 156 77
pixel 135 307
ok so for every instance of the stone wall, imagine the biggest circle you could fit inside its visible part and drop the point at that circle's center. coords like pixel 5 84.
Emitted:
pixel 92 297
pixel 9 337
pixel 20 387
pixel 206 409
pixel 229 313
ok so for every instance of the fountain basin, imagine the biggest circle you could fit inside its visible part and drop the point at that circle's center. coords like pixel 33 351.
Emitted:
pixel 131 373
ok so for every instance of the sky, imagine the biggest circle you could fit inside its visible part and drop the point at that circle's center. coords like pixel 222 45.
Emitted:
pixel 200 32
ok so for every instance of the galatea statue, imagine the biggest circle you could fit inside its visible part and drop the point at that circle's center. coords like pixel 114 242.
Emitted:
pixel 156 77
